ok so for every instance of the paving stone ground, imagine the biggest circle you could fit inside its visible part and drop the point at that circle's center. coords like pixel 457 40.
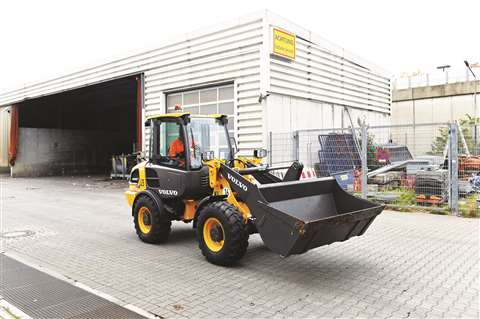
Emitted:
pixel 407 265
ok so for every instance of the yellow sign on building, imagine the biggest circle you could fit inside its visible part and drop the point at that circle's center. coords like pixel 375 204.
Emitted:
pixel 284 44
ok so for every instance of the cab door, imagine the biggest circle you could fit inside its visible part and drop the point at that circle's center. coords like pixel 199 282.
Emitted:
pixel 167 151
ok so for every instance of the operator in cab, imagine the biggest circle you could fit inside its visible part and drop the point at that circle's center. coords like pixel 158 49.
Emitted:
pixel 176 151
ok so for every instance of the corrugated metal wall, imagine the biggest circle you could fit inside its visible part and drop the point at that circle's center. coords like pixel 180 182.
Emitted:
pixel 290 113
pixel 225 56
pixel 4 136
pixel 325 72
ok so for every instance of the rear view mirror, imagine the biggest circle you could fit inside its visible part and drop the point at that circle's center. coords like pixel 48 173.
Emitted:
pixel 147 123
pixel 260 153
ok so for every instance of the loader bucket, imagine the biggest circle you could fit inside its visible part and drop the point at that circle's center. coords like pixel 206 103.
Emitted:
pixel 294 217
pixel 298 216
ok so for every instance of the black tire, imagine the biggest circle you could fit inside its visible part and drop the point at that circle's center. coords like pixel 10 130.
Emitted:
pixel 159 222
pixel 235 240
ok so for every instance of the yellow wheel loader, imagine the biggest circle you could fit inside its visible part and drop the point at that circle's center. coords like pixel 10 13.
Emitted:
pixel 193 175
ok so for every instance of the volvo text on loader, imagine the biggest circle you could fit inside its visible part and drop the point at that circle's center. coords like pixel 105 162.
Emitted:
pixel 193 175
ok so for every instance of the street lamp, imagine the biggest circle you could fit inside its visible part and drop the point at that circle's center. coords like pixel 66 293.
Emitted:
pixel 468 66
pixel 443 68
pixel 474 102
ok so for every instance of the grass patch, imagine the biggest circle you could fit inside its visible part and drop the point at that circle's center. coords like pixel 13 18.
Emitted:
pixel 407 202
pixel 468 207
pixel 406 198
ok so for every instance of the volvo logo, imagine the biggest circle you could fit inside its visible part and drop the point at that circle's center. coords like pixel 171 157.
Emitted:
pixel 168 192
pixel 237 182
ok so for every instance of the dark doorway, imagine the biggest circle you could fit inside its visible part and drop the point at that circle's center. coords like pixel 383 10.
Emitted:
pixel 77 132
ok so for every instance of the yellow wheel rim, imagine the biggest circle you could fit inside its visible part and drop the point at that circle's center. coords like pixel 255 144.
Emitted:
pixel 213 234
pixel 144 220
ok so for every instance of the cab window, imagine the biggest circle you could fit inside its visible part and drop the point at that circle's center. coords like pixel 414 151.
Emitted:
pixel 207 135
pixel 169 148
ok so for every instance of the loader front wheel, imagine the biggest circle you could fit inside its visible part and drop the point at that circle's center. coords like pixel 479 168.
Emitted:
pixel 222 234
pixel 151 223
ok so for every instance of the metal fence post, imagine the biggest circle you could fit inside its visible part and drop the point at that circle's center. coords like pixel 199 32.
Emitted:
pixel 270 148
pixel 453 168
pixel 364 158
pixel 296 145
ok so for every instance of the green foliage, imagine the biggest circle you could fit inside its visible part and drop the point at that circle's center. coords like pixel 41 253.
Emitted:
pixel 466 124
pixel 469 208
pixel 440 141
pixel 406 198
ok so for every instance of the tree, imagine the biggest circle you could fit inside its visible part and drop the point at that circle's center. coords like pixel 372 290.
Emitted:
pixel 467 125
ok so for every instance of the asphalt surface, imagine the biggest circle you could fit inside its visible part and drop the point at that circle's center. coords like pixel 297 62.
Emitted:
pixel 406 265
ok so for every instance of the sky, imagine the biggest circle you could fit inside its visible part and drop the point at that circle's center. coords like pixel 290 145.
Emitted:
pixel 40 40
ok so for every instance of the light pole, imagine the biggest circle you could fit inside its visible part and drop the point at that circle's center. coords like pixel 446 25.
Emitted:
pixel 474 104
pixel 443 68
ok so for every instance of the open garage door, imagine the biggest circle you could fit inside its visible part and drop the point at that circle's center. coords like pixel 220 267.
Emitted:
pixel 78 131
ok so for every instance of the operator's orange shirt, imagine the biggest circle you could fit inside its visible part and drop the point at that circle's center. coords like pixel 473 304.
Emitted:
pixel 176 147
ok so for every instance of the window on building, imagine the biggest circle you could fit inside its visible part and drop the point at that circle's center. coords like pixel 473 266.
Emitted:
pixel 206 101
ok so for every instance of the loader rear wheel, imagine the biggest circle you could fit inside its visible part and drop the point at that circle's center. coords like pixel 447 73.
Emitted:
pixel 222 234
pixel 151 223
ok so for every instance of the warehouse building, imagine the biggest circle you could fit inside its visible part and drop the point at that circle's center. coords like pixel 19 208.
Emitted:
pixel 266 73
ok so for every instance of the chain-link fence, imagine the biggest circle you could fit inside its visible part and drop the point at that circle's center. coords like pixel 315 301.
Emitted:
pixel 469 167
pixel 433 166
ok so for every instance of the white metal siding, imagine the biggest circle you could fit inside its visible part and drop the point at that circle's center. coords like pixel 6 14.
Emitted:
pixel 326 73
pixel 290 113
pixel 231 55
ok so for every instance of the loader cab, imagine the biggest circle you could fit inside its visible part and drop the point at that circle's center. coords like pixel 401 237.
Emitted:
pixel 182 141
pixel 178 146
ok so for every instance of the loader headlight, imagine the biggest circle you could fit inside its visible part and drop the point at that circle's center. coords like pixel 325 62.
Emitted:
pixel 260 153
pixel 208 155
